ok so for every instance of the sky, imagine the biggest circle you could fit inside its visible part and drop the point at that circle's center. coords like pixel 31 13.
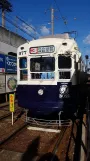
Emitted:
pixel 37 13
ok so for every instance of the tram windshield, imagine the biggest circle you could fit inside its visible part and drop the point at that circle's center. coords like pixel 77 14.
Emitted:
pixel 64 62
pixel 42 64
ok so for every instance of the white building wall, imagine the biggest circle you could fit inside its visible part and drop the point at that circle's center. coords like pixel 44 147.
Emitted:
pixel 5 48
pixel 10 41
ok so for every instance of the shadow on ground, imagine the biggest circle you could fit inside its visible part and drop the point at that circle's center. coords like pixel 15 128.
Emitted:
pixel 31 153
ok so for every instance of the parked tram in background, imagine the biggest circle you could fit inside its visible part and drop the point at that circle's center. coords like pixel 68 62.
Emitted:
pixel 50 76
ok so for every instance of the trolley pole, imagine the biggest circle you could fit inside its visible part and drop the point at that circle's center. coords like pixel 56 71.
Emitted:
pixel 52 21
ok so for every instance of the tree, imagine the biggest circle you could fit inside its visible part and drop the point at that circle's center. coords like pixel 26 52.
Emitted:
pixel 5 5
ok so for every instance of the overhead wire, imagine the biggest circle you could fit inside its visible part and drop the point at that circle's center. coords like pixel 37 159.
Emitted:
pixel 20 28
pixel 26 23
pixel 65 21
pixel 27 26
pixel 63 18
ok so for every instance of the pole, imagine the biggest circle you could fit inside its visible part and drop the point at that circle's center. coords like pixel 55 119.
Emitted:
pixel 3 18
pixel 12 118
pixel 16 27
pixel 86 56
pixel 52 21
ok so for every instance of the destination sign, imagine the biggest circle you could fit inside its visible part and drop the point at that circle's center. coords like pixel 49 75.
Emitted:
pixel 42 49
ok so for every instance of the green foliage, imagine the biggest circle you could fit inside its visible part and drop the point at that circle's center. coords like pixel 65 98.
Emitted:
pixel 5 5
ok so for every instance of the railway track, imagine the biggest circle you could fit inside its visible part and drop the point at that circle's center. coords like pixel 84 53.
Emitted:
pixel 51 154
pixel 9 114
pixel 5 106
pixel 58 142
pixel 23 127
pixel 13 135
pixel 7 142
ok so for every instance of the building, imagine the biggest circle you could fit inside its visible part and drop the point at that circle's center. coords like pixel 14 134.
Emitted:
pixel 9 41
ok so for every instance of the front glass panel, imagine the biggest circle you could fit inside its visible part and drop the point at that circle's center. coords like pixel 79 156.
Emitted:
pixel 64 62
pixel 43 67
pixel 42 64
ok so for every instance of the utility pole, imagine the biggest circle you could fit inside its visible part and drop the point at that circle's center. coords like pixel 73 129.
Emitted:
pixel 87 57
pixel 16 27
pixel 52 21
pixel 3 18
pixel 5 6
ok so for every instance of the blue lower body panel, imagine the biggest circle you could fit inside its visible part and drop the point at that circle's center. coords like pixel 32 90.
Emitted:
pixel 47 104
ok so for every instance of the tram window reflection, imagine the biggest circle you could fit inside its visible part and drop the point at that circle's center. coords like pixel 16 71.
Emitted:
pixel 42 64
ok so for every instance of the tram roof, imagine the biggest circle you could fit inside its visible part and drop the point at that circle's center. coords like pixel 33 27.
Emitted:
pixel 63 36
pixel 51 40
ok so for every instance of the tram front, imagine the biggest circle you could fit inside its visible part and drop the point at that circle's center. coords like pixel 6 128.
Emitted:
pixel 42 83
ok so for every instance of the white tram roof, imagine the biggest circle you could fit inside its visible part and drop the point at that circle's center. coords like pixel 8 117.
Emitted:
pixel 58 41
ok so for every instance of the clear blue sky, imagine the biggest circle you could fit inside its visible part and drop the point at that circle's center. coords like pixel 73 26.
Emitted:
pixel 77 14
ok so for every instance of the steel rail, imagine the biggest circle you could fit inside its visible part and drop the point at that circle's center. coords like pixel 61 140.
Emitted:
pixel 13 134
pixel 6 104
pixel 7 115
pixel 58 143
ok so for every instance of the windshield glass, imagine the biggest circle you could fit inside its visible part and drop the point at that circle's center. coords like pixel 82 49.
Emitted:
pixel 42 64
pixel 64 62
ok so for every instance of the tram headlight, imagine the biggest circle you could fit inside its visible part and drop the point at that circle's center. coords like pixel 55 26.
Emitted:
pixel 40 92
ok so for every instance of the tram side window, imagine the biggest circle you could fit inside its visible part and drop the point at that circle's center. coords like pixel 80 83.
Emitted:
pixel 64 62
pixel 23 68
pixel 23 63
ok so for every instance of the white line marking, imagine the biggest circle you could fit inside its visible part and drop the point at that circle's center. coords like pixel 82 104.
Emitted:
pixel 43 129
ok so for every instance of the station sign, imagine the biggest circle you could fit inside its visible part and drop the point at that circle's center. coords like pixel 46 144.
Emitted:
pixel 11 102
pixel 42 49
pixel 11 64
pixel 2 63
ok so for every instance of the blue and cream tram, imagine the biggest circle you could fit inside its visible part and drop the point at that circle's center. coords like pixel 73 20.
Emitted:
pixel 49 73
